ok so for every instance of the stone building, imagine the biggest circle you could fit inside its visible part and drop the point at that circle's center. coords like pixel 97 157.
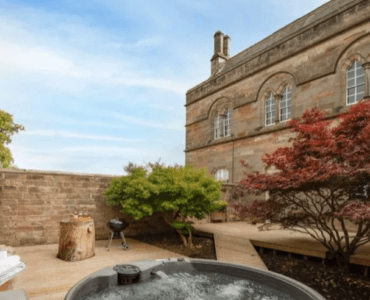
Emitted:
pixel 241 111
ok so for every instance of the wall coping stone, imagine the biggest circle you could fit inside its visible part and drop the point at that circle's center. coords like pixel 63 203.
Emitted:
pixel 30 171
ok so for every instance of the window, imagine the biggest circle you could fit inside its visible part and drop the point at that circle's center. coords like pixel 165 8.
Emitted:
pixel 222 124
pixel 355 83
pixel 227 119
pixel 222 174
pixel 270 170
pixel 285 106
pixel 360 190
pixel 217 127
pixel 270 110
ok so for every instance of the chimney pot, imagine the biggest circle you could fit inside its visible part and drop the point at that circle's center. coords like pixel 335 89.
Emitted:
pixel 219 38
pixel 226 46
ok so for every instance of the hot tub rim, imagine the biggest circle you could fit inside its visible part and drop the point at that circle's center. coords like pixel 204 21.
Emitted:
pixel 106 277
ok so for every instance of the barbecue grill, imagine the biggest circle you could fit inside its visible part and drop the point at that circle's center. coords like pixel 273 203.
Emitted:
pixel 117 226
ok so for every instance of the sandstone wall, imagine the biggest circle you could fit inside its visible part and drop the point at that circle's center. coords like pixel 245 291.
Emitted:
pixel 32 203
pixel 310 55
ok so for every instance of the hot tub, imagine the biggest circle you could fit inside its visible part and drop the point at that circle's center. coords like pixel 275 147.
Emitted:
pixel 188 279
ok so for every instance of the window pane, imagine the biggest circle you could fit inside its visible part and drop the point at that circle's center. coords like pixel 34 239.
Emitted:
pixel 351 91
pixel 360 72
pixel 227 130
pixel 352 67
pixel 360 80
pixel 359 97
pixel 360 89
pixel 358 65
pixel 351 82
pixel 351 75
pixel 351 99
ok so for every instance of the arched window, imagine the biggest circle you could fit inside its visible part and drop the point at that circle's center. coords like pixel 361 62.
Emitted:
pixel 227 121
pixel 285 105
pixel 217 126
pixel 222 123
pixel 355 83
pixel 270 109
pixel 222 174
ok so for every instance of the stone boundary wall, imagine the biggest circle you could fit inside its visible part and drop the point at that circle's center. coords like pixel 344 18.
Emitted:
pixel 32 203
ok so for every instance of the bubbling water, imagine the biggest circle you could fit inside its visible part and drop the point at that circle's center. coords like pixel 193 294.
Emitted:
pixel 191 286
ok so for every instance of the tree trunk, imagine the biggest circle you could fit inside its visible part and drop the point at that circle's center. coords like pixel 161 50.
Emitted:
pixel 77 239
pixel 187 243
pixel 342 259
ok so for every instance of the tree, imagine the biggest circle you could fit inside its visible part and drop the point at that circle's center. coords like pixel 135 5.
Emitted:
pixel 315 181
pixel 174 192
pixel 7 129
pixel 149 166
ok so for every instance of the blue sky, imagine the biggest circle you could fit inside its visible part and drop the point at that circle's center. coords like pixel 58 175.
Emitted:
pixel 100 83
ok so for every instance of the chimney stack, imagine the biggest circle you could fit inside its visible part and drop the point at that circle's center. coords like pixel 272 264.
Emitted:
pixel 219 39
pixel 221 51
pixel 226 51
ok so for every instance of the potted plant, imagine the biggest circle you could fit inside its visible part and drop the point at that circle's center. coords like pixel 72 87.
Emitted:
pixel 220 214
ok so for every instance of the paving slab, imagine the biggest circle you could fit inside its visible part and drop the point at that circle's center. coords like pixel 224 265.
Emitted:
pixel 48 278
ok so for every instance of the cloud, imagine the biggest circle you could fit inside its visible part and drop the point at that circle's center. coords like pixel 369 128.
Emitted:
pixel 83 158
pixel 68 134
pixel 35 59
pixel 174 125
pixel 109 151
pixel 73 55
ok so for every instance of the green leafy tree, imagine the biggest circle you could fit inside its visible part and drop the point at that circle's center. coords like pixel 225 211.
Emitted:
pixel 7 129
pixel 149 166
pixel 174 192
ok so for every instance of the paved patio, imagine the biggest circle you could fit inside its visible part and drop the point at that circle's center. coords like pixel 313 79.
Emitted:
pixel 48 278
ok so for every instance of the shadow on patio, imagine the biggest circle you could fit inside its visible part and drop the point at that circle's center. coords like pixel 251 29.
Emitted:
pixel 48 278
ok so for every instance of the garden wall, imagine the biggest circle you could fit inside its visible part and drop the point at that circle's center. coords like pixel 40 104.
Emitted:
pixel 32 203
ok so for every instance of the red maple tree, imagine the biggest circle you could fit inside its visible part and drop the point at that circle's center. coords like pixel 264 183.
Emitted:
pixel 315 180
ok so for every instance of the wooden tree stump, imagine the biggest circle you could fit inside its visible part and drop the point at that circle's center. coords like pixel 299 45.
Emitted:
pixel 77 239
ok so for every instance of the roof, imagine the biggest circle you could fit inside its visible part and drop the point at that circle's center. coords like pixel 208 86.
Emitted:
pixel 309 20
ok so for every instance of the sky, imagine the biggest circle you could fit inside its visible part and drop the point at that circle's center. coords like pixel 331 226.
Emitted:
pixel 101 83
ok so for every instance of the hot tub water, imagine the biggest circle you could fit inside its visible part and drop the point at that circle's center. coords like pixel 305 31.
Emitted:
pixel 190 286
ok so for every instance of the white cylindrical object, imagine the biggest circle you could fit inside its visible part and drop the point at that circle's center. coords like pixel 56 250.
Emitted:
pixel 3 254
pixel 11 273
pixel 9 262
